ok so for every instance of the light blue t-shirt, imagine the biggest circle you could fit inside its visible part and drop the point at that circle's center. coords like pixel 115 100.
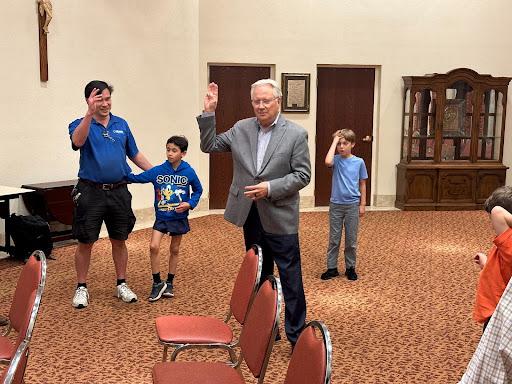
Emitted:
pixel 346 174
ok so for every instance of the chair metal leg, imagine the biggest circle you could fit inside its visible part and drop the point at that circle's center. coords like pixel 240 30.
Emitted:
pixel 175 353
pixel 232 355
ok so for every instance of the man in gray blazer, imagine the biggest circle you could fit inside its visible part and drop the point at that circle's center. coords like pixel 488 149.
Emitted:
pixel 270 165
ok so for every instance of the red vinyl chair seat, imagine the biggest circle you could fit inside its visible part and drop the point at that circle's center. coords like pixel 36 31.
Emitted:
pixel 196 331
pixel 256 342
pixel 195 372
pixel 193 330
pixel 7 348
pixel 15 371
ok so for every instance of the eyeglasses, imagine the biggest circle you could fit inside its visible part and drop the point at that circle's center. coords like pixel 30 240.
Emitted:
pixel 265 103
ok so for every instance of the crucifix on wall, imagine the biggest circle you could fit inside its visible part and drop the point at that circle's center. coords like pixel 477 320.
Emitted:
pixel 44 16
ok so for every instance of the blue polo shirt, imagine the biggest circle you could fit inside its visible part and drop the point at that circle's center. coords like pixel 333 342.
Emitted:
pixel 103 156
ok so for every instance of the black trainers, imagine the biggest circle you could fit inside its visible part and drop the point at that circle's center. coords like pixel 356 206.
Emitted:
pixel 157 290
pixel 351 273
pixel 168 292
pixel 329 274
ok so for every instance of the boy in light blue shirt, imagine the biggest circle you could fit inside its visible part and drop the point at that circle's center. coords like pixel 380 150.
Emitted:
pixel 347 203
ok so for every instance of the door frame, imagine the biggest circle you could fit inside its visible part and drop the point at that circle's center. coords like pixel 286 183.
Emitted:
pixel 375 123
pixel 209 65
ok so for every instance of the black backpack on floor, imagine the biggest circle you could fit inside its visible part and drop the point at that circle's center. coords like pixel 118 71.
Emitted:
pixel 29 233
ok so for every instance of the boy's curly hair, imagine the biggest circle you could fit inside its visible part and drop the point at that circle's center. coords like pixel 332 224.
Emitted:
pixel 502 196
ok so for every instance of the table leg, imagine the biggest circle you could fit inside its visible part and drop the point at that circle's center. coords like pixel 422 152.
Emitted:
pixel 4 214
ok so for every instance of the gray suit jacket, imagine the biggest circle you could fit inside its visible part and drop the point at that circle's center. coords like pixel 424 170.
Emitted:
pixel 285 166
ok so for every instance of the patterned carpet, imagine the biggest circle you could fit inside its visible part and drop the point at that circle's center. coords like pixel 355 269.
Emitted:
pixel 406 320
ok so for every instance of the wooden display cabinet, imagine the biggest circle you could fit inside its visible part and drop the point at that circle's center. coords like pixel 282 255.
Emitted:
pixel 453 128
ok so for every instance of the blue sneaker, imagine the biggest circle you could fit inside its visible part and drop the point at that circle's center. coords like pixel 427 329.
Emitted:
pixel 169 291
pixel 157 290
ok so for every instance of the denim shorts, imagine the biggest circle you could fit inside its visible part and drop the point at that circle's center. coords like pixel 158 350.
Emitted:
pixel 172 227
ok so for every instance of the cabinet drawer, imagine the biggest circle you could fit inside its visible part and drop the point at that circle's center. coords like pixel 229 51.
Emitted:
pixel 457 186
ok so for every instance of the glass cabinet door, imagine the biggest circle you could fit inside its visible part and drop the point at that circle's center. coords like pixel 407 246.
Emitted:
pixel 405 124
pixel 457 122
pixel 422 135
pixel 489 125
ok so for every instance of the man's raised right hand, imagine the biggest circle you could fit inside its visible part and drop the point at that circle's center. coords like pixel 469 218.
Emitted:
pixel 211 97
pixel 93 102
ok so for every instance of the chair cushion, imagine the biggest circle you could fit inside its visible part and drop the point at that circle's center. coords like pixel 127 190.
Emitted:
pixel 7 348
pixel 192 330
pixel 192 372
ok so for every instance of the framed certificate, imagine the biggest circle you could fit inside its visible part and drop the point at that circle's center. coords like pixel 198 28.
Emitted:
pixel 295 88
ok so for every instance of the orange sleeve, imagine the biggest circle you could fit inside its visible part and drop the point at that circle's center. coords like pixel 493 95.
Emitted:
pixel 494 277
pixel 503 244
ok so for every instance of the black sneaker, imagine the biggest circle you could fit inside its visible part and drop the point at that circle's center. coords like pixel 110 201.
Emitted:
pixel 329 274
pixel 351 273
pixel 157 290
pixel 168 292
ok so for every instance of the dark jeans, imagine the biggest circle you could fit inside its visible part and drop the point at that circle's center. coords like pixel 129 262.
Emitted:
pixel 285 252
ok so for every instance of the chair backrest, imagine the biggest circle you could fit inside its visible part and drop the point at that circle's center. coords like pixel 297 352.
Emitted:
pixel 38 295
pixel 311 359
pixel 16 369
pixel 28 282
pixel 246 283
pixel 260 327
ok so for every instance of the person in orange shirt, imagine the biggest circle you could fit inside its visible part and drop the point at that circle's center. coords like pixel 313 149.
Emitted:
pixel 496 266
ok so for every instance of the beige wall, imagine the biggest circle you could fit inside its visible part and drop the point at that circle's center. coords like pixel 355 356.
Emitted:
pixel 156 55
pixel 398 37
pixel 147 49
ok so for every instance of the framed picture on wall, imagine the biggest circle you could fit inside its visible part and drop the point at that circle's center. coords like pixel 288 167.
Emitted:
pixel 295 88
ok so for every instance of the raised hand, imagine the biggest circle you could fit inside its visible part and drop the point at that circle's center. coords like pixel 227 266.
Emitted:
pixel 211 97
pixel 93 102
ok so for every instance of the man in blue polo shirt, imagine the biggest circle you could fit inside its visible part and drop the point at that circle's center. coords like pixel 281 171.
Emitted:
pixel 101 194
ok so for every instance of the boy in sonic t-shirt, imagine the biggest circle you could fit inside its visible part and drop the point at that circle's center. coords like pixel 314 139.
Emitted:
pixel 173 181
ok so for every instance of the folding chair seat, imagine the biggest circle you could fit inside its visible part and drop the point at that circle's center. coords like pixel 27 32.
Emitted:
pixel 186 332
pixel 14 373
pixel 7 347
pixel 311 359
pixel 25 304
pixel 256 343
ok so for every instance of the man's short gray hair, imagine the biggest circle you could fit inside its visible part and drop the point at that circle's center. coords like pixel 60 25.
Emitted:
pixel 275 88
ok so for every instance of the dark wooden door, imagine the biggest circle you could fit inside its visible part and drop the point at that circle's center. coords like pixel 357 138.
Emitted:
pixel 234 104
pixel 344 100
